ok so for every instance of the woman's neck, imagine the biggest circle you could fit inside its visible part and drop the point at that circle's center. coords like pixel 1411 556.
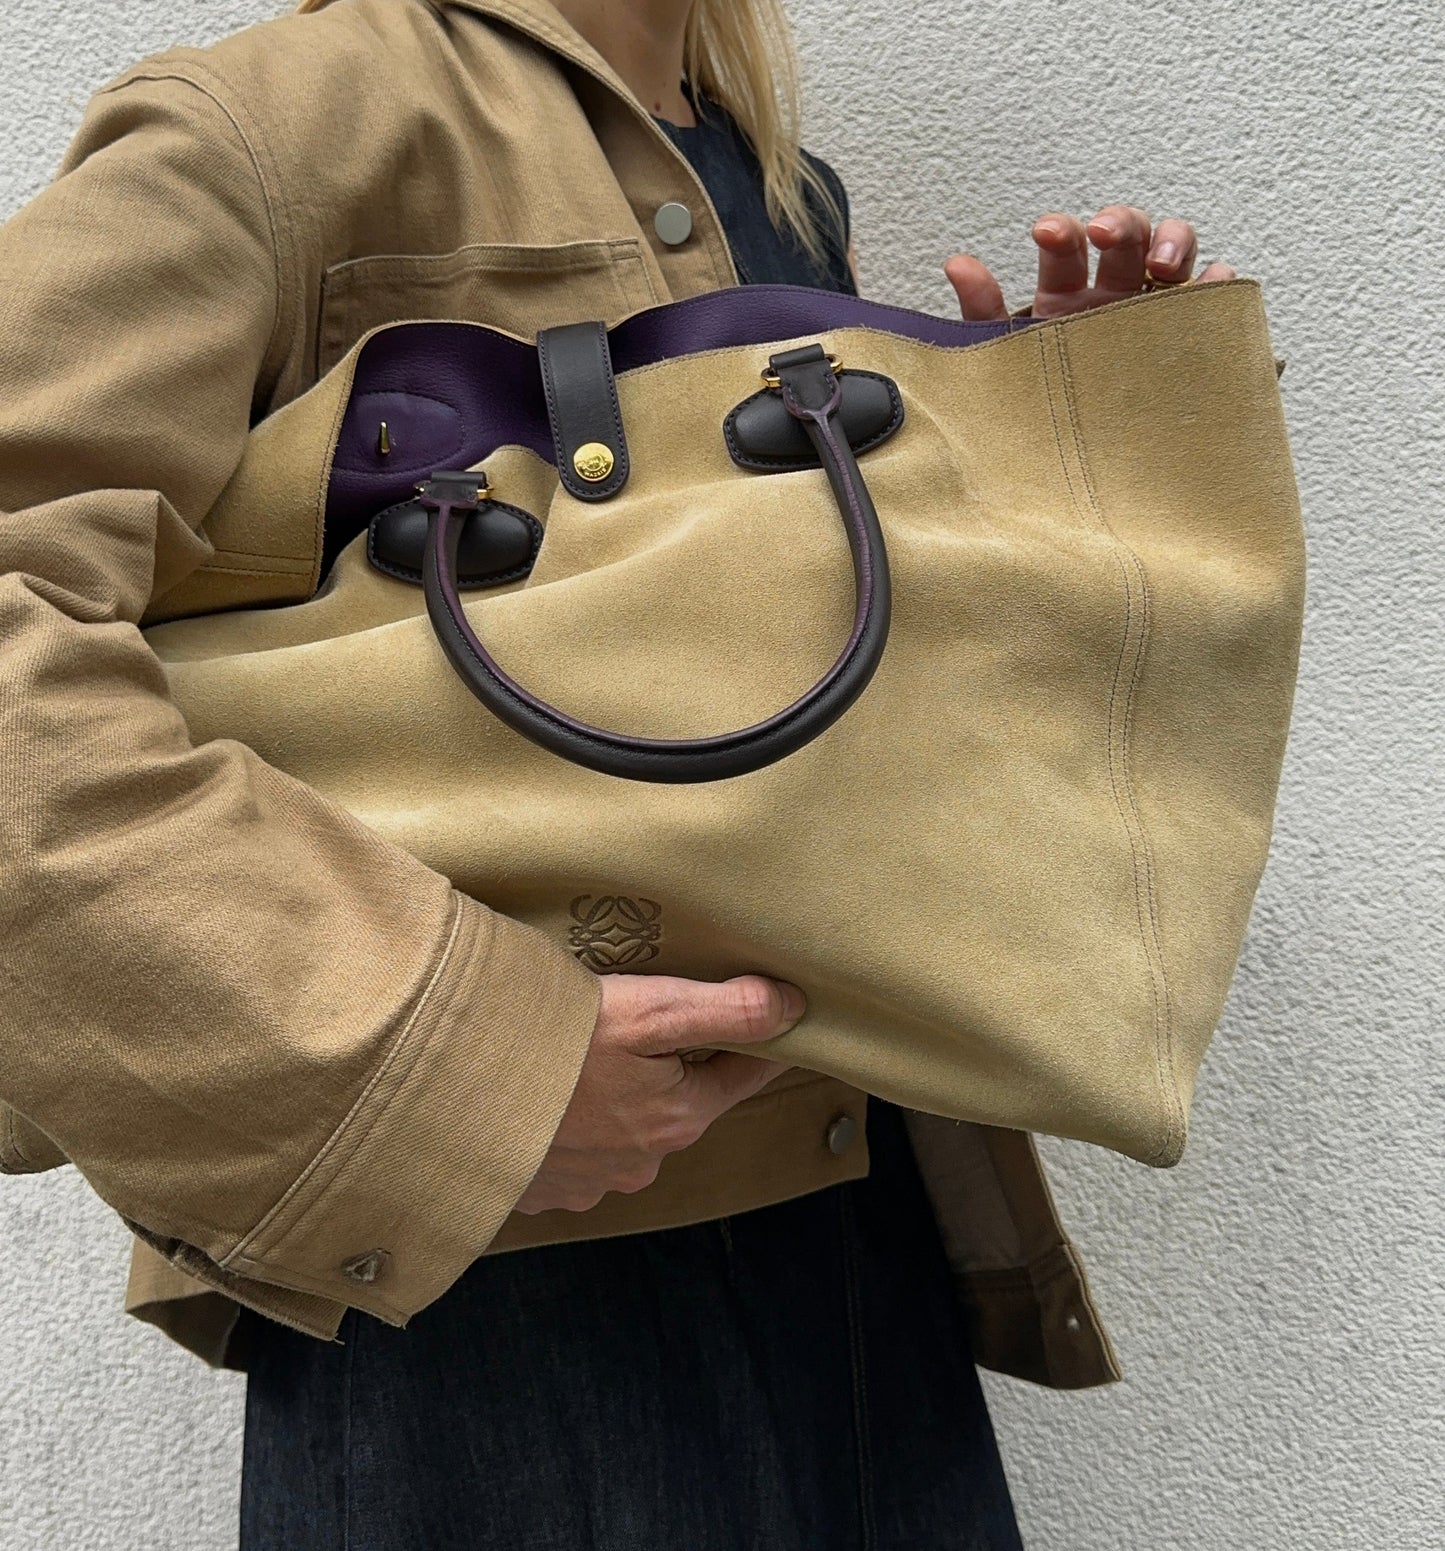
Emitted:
pixel 642 41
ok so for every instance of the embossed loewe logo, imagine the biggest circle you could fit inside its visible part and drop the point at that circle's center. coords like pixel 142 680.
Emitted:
pixel 612 930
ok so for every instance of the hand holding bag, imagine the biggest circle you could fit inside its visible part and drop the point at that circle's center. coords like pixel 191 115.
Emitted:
pixel 945 671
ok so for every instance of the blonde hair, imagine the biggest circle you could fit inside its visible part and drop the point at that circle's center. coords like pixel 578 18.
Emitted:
pixel 742 55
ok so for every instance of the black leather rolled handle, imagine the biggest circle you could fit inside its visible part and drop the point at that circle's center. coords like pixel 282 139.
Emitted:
pixel 810 390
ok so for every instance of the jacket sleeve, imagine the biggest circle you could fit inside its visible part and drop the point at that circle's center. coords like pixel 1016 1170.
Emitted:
pixel 281 1048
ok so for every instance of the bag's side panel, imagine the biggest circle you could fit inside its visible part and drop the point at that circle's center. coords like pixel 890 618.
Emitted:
pixel 1182 435
pixel 1164 1120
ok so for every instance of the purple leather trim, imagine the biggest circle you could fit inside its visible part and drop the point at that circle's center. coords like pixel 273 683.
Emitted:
pixel 452 392
pixel 757 314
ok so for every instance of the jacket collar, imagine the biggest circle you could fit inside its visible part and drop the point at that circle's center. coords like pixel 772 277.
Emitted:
pixel 540 19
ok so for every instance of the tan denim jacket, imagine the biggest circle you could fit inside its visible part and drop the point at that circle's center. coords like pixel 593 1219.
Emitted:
pixel 304 1069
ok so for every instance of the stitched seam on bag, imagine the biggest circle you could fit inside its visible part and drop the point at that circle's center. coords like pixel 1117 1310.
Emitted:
pixel 1164 1039
pixel 340 1134
pixel 1146 900
pixel 1089 509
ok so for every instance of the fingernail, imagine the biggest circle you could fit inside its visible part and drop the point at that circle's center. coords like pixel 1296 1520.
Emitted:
pixel 1165 255
pixel 1049 229
pixel 794 1002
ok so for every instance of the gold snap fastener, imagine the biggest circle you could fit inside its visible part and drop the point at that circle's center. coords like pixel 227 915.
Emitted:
pixel 593 461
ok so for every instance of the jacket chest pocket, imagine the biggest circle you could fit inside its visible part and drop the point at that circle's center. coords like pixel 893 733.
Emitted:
pixel 519 287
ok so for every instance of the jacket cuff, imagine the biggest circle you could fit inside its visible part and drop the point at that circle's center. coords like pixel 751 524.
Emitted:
pixel 419 1176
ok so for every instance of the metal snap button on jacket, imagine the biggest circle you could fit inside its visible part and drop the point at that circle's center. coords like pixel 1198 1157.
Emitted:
pixel 365 1268
pixel 673 223
pixel 841 1133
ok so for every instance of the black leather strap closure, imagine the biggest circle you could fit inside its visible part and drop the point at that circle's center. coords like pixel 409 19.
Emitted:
pixel 582 408
pixel 811 393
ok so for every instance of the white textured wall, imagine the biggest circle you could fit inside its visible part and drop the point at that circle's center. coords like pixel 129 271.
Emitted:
pixel 1278 1299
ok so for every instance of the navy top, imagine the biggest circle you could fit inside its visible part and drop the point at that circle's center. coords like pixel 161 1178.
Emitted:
pixel 733 177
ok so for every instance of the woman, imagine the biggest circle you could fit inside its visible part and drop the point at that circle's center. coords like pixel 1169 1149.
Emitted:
pixel 325 1089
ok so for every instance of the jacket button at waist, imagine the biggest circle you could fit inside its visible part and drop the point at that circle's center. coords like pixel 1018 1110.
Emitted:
pixel 365 1268
pixel 673 223
pixel 841 1133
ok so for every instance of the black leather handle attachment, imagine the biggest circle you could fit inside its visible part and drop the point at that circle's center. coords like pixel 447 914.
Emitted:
pixel 810 389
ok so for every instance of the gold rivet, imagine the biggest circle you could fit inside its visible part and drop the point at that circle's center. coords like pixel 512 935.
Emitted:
pixel 593 461
pixel 383 441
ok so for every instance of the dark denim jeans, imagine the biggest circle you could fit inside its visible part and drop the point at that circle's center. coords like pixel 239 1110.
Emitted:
pixel 795 1378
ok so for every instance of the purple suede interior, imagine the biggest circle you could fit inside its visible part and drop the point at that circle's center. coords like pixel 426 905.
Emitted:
pixel 450 393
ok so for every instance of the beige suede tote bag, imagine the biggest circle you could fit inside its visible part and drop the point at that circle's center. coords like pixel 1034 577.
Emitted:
pixel 942 668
